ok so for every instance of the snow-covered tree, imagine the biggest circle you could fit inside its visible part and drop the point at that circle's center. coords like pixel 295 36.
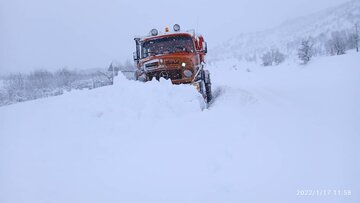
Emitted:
pixel 64 78
pixel 41 79
pixel 42 83
pixel 272 57
pixel 356 36
pixel 267 59
pixel 278 57
pixel 305 52
pixel 337 44
pixel 3 97
pixel 15 87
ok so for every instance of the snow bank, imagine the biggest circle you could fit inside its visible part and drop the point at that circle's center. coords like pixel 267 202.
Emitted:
pixel 154 99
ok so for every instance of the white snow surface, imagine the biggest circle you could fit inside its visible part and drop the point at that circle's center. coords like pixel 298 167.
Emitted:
pixel 269 132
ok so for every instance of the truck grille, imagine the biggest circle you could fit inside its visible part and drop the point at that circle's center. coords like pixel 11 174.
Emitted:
pixel 151 65
pixel 167 74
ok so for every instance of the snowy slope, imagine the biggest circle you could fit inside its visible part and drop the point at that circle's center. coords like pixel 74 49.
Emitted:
pixel 269 133
pixel 286 36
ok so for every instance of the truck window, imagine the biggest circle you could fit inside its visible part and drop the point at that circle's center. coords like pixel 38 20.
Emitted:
pixel 167 45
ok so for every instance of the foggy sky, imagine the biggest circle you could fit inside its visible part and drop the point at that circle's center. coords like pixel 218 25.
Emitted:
pixel 91 33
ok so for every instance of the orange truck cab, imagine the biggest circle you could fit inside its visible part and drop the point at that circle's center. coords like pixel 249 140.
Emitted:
pixel 177 55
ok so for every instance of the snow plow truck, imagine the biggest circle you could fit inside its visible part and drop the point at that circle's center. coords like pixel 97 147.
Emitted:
pixel 176 55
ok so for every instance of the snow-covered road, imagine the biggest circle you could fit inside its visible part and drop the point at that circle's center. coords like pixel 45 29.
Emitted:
pixel 270 133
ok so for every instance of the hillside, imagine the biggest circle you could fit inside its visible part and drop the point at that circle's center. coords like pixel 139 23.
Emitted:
pixel 287 36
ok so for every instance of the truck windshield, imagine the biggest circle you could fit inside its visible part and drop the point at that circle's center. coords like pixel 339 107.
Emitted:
pixel 167 45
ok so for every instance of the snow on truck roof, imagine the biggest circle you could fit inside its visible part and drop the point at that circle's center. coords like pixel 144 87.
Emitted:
pixel 165 35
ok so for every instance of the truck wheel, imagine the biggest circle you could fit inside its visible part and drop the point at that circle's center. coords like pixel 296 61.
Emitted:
pixel 207 86
pixel 208 92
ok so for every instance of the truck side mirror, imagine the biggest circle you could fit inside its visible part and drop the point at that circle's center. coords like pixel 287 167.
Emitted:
pixel 205 47
pixel 135 56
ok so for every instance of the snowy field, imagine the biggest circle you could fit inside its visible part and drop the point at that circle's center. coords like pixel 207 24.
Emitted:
pixel 270 133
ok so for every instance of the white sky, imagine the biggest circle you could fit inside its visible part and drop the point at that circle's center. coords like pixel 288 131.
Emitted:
pixel 51 34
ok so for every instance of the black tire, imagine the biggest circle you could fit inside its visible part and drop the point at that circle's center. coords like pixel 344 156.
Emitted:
pixel 207 86
pixel 208 92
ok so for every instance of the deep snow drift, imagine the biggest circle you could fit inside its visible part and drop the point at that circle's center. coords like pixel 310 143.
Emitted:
pixel 270 132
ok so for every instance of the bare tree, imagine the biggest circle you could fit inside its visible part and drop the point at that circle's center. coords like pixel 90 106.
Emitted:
pixel 337 44
pixel 305 52
pixel 15 87
pixel 356 37
pixel 273 57
pixel 267 59
pixel 64 78
pixel 3 97
pixel 41 79
pixel 278 57
pixel 42 83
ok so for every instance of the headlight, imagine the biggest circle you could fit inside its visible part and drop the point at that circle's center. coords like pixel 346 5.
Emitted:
pixel 188 73
pixel 183 64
